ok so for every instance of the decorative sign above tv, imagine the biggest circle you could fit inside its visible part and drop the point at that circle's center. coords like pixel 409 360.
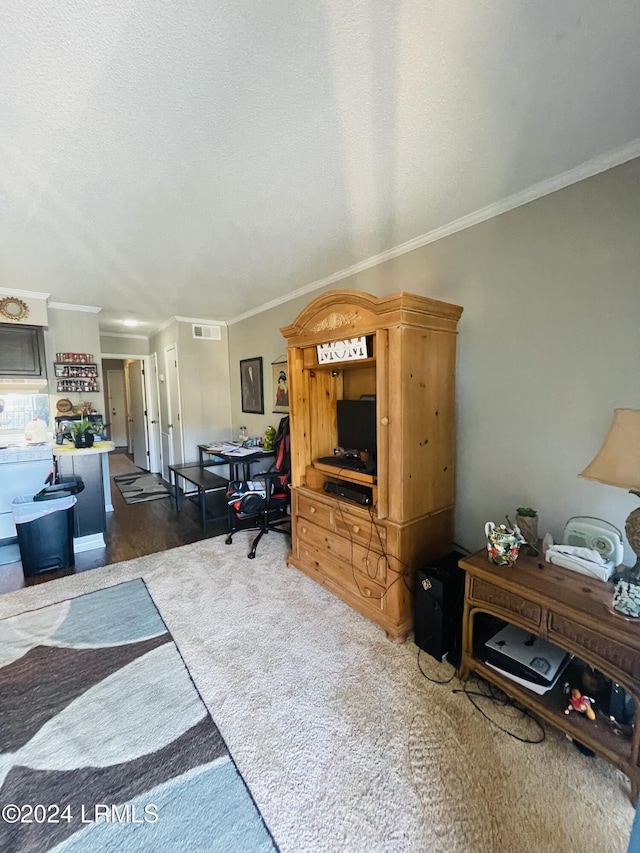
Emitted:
pixel 352 349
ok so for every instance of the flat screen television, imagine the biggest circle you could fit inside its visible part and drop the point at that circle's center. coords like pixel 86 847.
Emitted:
pixel 357 425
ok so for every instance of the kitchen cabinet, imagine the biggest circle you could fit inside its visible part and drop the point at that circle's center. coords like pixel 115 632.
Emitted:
pixel 22 351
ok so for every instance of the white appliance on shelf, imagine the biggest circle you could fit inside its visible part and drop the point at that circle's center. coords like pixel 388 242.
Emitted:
pixel 23 470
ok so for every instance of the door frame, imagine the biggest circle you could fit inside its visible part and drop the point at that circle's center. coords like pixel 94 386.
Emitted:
pixel 178 394
pixel 153 399
pixel 154 450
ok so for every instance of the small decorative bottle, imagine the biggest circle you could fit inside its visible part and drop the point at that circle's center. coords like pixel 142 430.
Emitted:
pixel 243 435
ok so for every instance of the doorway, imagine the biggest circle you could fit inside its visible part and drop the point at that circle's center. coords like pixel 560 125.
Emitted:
pixel 116 407
pixel 132 373
pixel 137 415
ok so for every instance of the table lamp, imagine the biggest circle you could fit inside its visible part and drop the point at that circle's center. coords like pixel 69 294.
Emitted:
pixel 617 463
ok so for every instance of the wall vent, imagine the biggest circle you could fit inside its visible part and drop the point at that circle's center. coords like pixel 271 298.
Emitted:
pixel 206 333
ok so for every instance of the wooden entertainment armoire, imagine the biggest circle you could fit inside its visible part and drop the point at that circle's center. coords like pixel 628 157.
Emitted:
pixel 367 554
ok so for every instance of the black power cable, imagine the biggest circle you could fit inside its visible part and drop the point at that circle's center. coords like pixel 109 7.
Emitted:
pixel 499 698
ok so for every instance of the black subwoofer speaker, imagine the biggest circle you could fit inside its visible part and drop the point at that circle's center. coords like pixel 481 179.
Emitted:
pixel 438 607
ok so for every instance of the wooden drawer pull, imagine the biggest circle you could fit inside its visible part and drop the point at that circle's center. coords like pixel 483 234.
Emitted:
pixel 356 528
pixel 303 529
pixel 312 509
pixel 384 421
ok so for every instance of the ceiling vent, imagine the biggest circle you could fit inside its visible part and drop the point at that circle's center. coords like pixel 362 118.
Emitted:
pixel 206 333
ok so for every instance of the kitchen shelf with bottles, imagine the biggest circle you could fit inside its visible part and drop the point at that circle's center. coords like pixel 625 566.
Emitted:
pixel 76 376
pixel 83 370
pixel 70 386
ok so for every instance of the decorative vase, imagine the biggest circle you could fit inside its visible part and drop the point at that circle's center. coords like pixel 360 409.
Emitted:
pixel 503 543
pixel 528 525
pixel 85 439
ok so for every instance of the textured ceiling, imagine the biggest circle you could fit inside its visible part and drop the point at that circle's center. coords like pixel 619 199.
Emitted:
pixel 203 157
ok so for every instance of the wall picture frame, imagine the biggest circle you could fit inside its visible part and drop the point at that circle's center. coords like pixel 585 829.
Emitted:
pixel 280 385
pixel 251 387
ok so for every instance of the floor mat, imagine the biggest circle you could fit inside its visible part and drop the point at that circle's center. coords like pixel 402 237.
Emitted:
pixel 136 488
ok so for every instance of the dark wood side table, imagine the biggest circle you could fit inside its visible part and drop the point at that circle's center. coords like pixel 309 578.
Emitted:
pixel 574 612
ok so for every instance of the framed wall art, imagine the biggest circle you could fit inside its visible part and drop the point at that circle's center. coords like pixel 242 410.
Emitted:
pixel 280 386
pixel 251 385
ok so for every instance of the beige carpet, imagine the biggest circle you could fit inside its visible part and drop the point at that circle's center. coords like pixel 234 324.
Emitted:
pixel 343 744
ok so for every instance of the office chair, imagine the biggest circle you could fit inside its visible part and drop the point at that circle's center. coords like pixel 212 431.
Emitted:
pixel 266 499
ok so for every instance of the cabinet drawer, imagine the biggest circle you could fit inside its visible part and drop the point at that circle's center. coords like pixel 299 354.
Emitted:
pixel 361 531
pixel 509 602
pixel 603 652
pixel 372 565
pixel 315 511
pixel 340 573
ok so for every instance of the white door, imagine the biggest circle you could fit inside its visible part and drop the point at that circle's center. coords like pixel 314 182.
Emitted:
pixel 172 428
pixel 138 416
pixel 153 408
pixel 117 414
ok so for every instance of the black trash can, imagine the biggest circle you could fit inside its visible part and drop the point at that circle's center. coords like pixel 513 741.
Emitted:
pixel 45 530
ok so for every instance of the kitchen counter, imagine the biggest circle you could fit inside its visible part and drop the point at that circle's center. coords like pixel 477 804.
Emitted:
pixel 69 449
pixel 91 464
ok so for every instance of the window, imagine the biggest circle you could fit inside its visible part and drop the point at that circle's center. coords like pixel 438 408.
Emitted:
pixel 16 410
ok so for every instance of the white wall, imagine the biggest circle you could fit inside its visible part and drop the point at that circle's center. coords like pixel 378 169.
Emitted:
pixel 124 344
pixel 259 336
pixel 203 367
pixel 548 346
pixel 204 380
pixel 73 331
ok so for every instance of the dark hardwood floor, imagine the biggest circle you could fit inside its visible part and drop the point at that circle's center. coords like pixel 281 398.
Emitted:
pixel 133 530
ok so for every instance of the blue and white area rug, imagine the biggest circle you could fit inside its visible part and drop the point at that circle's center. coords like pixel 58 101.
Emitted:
pixel 105 743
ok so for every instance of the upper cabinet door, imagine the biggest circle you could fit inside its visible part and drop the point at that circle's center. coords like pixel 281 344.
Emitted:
pixel 22 351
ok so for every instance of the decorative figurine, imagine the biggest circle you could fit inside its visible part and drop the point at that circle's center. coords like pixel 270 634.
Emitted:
pixel 582 704
pixel 269 436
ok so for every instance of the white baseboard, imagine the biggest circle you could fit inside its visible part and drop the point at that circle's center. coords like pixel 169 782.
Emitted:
pixel 88 543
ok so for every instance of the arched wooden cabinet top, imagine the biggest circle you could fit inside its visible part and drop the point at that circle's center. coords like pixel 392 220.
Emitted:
pixel 340 314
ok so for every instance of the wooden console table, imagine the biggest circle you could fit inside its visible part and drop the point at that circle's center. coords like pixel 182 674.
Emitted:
pixel 574 612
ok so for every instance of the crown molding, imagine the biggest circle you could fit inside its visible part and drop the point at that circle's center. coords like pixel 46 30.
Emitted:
pixel 585 170
pixel 162 327
pixel 171 320
pixel 200 321
pixel 123 335
pixel 23 294
pixel 68 306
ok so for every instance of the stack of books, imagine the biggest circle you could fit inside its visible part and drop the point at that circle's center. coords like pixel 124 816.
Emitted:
pixel 525 658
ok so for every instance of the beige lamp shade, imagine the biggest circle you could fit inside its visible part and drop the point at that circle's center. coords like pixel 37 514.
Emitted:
pixel 617 463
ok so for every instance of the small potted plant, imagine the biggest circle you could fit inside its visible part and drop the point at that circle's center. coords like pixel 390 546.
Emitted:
pixel 82 433
pixel 527 521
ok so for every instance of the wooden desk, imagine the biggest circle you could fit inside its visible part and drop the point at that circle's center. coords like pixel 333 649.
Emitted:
pixel 234 462
pixel 573 612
